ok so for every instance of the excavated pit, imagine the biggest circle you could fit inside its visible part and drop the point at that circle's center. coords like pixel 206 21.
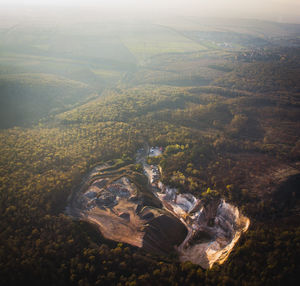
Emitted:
pixel 118 208
pixel 203 232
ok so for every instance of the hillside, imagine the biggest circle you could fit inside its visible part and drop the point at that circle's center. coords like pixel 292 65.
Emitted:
pixel 26 98
pixel 227 118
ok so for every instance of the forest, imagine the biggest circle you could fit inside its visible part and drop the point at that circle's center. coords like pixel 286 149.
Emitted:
pixel 228 120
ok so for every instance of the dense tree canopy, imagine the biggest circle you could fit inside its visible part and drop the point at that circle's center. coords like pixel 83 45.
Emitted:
pixel 229 126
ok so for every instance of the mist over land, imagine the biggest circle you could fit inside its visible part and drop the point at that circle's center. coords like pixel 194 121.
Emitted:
pixel 149 142
pixel 276 10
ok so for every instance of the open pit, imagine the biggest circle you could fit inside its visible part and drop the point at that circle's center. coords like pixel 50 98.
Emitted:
pixel 124 212
pixel 156 217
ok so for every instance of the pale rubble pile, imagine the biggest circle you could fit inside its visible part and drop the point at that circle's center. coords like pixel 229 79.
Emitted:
pixel 203 233
pixel 221 223
pixel 228 225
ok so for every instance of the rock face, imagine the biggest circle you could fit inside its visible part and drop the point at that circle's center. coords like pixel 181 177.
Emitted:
pixel 163 233
pixel 207 214
pixel 159 218
pixel 218 227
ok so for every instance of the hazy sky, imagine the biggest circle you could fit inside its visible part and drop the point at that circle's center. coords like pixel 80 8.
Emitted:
pixel 278 10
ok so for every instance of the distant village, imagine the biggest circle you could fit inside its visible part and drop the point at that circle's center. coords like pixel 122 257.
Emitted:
pixel 259 54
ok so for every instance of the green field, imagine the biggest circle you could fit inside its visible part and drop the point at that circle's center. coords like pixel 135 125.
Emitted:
pixel 153 40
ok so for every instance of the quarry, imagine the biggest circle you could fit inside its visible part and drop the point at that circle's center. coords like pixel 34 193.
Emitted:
pixel 156 217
